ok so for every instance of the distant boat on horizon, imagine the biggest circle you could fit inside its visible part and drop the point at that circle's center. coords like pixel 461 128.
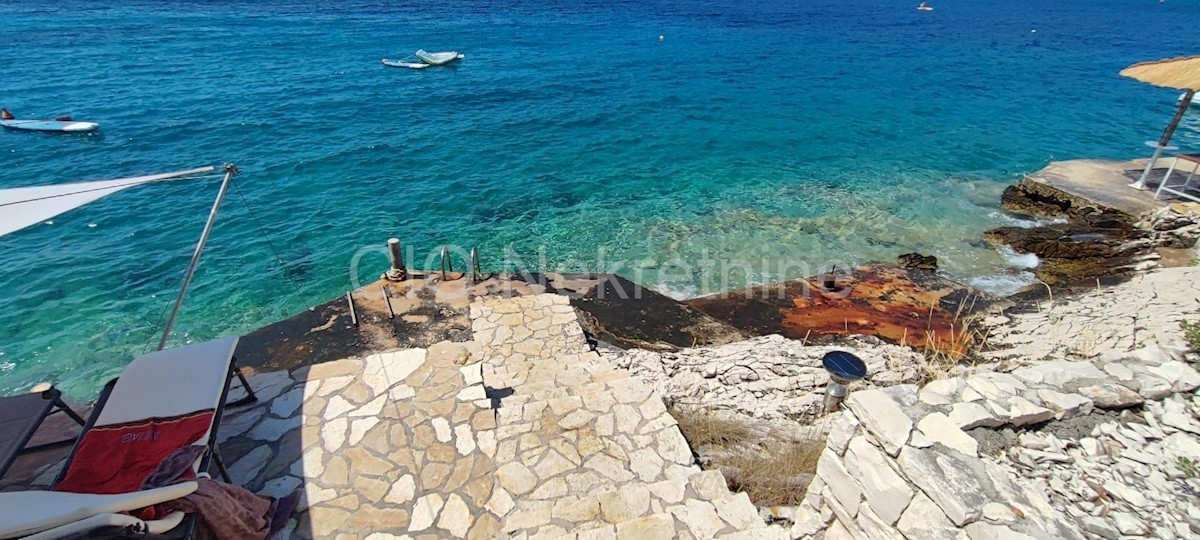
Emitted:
pixel 924 7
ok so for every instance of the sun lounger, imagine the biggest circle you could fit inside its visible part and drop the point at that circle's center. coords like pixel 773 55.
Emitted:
pixel 20 417
pixel 1186 189
pixel 169 384
pixel 53 514
pixel 162 401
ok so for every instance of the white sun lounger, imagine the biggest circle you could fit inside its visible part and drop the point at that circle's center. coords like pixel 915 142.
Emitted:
pixel 161 384
pixel 54 514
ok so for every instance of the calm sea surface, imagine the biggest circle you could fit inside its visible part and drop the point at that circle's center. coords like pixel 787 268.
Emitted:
pixel 774 137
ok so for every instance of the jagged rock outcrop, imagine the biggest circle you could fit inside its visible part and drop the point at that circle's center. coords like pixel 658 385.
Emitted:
pixel 903 463
pixel 1096 240
pixel 764 378
pixel 1070 252
pixel 1031 198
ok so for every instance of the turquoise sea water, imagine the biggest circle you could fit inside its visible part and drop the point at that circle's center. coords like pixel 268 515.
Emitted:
pixel 777 136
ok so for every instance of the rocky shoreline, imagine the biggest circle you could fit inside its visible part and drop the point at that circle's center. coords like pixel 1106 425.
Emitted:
pixel 1082 240
pixel 1080 421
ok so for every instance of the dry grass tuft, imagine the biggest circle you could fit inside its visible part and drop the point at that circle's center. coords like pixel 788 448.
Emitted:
pixel 771 471
pixel 702 428
pixel 943 353
pixel 777 476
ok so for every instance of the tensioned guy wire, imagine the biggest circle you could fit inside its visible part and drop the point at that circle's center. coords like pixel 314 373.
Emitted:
pixel 262 232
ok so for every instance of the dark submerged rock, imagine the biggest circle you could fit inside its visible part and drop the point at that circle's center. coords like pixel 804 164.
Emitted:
pixel 916 261
pixel 1070 252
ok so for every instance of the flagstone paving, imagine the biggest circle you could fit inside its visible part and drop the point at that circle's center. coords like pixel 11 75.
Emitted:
pixel 583 450
pixel 522 433
pixel 392 444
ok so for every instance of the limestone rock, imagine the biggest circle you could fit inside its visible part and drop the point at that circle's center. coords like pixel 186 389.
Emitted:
pixel 949 479
pixel 835 476
pixel 1064 405
pixel 923 519
pixel 1059 373
pixel 942 391
pixel 626 503
pixel 841 429
pixel 738 511
pixel 1111 396
pixel 887 493
pixel 939 428
pixel 982 530
pixel 882 417
pixel 456 516
pixel 647 528
pixel 971 415
pixel 1023 412
pixel 1099 527
pixel 516 478
pixel 425 512
pixel 1182 377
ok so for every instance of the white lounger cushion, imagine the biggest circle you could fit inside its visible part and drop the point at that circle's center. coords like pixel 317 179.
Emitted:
pixel 27 512
pixel 171 382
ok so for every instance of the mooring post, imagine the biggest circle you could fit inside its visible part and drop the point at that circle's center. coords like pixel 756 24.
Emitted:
pixel 397 272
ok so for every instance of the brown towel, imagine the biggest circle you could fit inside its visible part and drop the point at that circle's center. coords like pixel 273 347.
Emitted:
pixel 230 512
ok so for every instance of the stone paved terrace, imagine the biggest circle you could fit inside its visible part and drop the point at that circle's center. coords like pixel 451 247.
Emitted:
pixel 1105 183
pixel 522 433
pixel 584 450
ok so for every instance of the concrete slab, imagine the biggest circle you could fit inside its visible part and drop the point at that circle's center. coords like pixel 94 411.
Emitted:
pixel 1106 183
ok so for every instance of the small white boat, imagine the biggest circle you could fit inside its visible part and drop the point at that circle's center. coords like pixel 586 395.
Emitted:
pixel 438 58
pixel 423 59
pixel 404 64
pixel 53 126
pixel 924 7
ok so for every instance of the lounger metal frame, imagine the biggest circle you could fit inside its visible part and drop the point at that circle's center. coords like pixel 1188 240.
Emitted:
pixel 186 529
pixel 54 404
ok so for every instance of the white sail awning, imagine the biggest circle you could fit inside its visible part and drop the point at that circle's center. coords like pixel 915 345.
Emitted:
pixel 25 206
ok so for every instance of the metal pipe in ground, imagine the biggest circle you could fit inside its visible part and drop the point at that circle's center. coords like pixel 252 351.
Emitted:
pixel 350 302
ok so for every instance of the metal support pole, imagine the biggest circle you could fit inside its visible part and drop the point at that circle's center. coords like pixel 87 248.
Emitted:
pixel 1184 103
pixel 446 262
pixel 474 276
pixel 230 170
pixel 397 271
pixel 834 394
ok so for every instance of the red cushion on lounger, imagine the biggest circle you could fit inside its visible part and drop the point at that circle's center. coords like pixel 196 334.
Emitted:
pixel 118 458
